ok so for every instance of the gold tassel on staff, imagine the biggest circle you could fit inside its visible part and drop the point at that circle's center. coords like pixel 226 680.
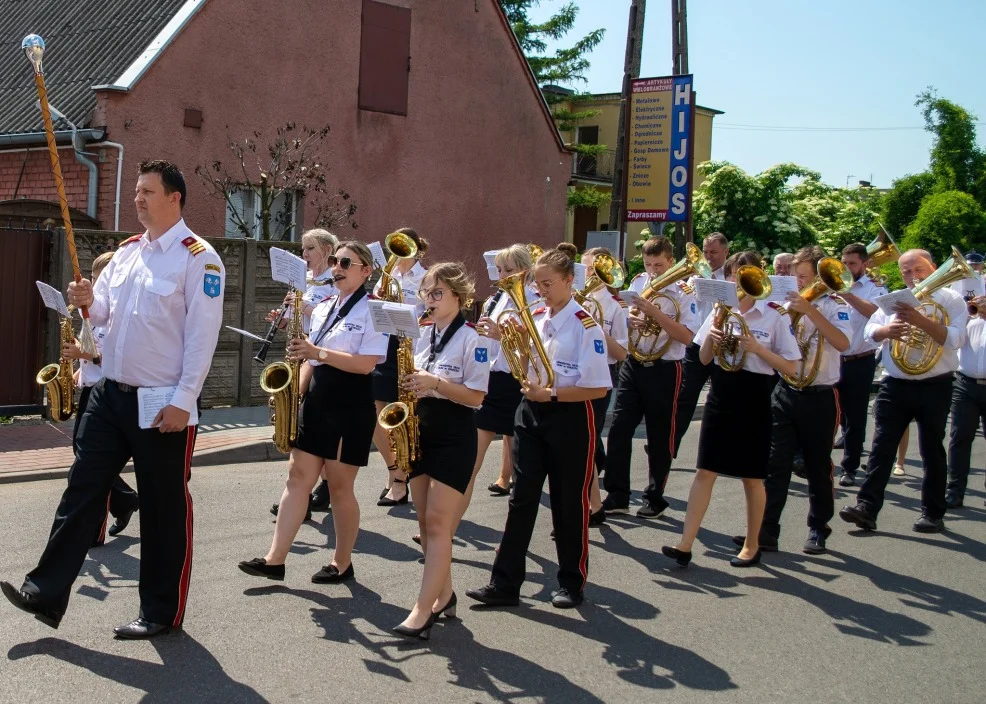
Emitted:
pixel 34 47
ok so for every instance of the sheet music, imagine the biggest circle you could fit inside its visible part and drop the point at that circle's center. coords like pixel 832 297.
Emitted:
pixel 53 298
pixel 394 318
pixel 780 286
pixel 631 297
pixel 288 268
pixel 713 290
pixel 379 258
pixel 492 272
pixel 490 257
pixel 152 399
pixel 887 301
pixel 580 273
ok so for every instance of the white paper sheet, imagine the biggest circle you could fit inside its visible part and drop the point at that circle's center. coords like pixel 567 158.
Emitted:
pixel 887 301
pixel 580 273
pixel 245 333
pixel 490 257
pixel 492 272
pixel 53 298
pixel 379 258
pixel 631 297
pixel 780 286
pixel 288 268
pixel 152 399
pixel 395 319
pixel 713 290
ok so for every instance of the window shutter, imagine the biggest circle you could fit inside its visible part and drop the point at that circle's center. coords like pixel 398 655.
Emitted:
pixel 385 57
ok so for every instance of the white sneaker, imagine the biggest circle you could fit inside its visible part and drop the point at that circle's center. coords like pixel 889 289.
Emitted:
pixel 899 470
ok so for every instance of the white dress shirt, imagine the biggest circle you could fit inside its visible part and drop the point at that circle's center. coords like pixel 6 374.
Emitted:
pixel 972 356
pixel 316 292
pixel 614 319
pixel 354 334
pixel 865 289
pixel 958 316
pixel 829 367
pixel 465 359
pixel 688 307
pixel 162 307
pixel 90 372
pixel 771 329
pixel 577 349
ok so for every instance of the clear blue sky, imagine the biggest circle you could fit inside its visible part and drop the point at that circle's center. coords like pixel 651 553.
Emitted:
pixel 805 63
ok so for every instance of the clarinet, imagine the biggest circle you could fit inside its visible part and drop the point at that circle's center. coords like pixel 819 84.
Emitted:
pixel 275 326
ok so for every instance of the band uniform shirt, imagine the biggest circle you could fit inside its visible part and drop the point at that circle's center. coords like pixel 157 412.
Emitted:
pixel 316 292
pixel 354 334
pixel 972 355
pixel 464 360
pixel 867 290
pixel 689 308
pixel 498 360
pixel 705 307
pixel 90 372
pixel 958 316
pixel 771 329
pixel 575 346
pixel 830 366
pixel 970 287
pixel 614 313
pixel 409 282
pixel 162 305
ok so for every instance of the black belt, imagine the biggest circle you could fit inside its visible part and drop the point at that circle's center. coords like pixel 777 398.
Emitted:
pixel 636 361
pixel 814 389
pixel 851 357
pixel 973 379
pixel 126 388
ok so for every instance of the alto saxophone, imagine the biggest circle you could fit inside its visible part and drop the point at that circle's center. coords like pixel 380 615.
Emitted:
pixel 399 418
pixel 57 378
pixel 281 380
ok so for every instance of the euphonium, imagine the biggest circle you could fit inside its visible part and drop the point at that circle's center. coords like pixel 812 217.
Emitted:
pixel 399 419
pixel 917 353
pixel 517 344
pixel 606 271
pixel 400 246
pixel 57 378
pixel 751 281
pixel 282 381
pixel 882 250
pixel 693 263
pixel 833 277
pixel 535 250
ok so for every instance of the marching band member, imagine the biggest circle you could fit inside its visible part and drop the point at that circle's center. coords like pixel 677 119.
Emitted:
pixel 614 316
pixel 923 397
pixel 123 502
pixel 650 389
pixel 806 418
pixel 968 403
pixel 553 438
pixel 336 420
pixel 715 248
pixel 451 375
pixel 408 273
pixel 973 286
pixel 858 362
pixel 737 414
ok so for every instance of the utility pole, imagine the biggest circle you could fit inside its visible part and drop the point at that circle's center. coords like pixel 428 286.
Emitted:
pixel 679 67
pixel 631 70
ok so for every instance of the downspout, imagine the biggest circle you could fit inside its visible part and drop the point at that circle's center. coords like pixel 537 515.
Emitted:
pixel 119 179
pixel 80 156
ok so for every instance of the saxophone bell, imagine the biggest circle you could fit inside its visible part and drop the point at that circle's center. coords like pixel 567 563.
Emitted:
pixel 56 379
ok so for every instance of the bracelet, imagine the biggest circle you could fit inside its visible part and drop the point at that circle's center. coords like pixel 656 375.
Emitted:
pixel 438 383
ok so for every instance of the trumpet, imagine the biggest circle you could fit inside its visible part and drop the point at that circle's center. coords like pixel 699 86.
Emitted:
pixel 606 271
pixel 751 281
pixel 882 250
pixel 517 344
pixel 972 308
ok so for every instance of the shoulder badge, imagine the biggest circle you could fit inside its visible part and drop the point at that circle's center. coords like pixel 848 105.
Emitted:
pixel 193 245
pixel 129 240
pixel 587 320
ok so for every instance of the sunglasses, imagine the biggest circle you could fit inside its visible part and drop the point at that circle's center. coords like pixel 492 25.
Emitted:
pixel 344 262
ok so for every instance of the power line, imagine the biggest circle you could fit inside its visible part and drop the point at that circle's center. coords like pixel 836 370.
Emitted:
pixel 782 128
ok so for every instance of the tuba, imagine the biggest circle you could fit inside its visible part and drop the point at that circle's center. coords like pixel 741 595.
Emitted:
pixel 516 343
pixel 917 353
pixel 833 277
pixel 282 381
pixel 606 271
pixel 751 281
pixel 882 250
pixel 692 264
pixel 57 378
pixel 400 246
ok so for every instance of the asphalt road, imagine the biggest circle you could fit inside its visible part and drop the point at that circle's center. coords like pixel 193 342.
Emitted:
pixel 892 616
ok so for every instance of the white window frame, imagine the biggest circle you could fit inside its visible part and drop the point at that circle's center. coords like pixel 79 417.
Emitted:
pixel 251 216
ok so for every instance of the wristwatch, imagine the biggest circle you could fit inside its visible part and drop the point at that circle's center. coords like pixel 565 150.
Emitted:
pixel 323 353
pixel 554 395
pixel 97 360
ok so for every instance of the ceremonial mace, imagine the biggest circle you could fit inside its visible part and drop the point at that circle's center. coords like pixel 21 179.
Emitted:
pixel 34 47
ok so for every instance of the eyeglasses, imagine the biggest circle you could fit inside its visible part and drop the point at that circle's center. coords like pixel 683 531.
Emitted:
pixel 344 262
pixel 434 295
pixel 545 285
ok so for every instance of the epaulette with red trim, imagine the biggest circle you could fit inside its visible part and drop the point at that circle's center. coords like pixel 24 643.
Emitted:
pixel 776 306
pixel 193 245
pixel 470 325
pixel 587 320
pixel 373 297
pixel 539 311
pixel 129 240
pixel 327 298
pixel 623 304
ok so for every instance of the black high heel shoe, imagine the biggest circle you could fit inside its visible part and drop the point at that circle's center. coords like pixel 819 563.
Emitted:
pixel 384 501
pixel 750 562
pixel 391 468
pixel 679 556
pixel 423 633
pixel 448 611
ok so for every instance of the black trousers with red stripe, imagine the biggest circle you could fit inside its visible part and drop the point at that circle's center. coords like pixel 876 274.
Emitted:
pixel 554 441
pixel 108 436
pixel 647 391
pixel 803 420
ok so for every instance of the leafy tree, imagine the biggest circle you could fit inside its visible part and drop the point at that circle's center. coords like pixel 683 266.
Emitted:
pixel 957 163
pixel 947 219
pixel 901 204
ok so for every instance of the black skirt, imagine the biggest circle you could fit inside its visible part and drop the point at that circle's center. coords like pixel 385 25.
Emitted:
pixel 385 374
pixel 500 405
pixel 338 406
pixel 736 425
pixel 448 442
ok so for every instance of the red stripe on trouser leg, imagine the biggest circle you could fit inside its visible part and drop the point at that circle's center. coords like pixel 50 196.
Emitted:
pixel 101 538
pixel 186 570
pixel 587 484
pixel 674 416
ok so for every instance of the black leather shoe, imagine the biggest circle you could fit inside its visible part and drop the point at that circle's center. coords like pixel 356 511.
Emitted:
pixel 122 521
pixel 798 468
pixel 768 543
pixel 448 611
pixel 926 524
pixel 330 574
pixel 750 562
pixel 565 599
pixel 31 604
pixel 497 490
pixel 308 515
pixel 384 501
pixel 649 510
pixel 847 480
pixel 679 556
pixel 598 518
pixel 258 567
pixel 815 545
pixel 423 633
pixel 953 502
pixel 140 629
pixel 491 596
pixel 320 499
pixel 610 506
pixel 859 516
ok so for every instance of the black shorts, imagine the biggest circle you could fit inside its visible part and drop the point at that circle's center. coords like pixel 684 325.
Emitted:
pixel 338 406
pixel 500 405
pixel 448 442
pixel 385 374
